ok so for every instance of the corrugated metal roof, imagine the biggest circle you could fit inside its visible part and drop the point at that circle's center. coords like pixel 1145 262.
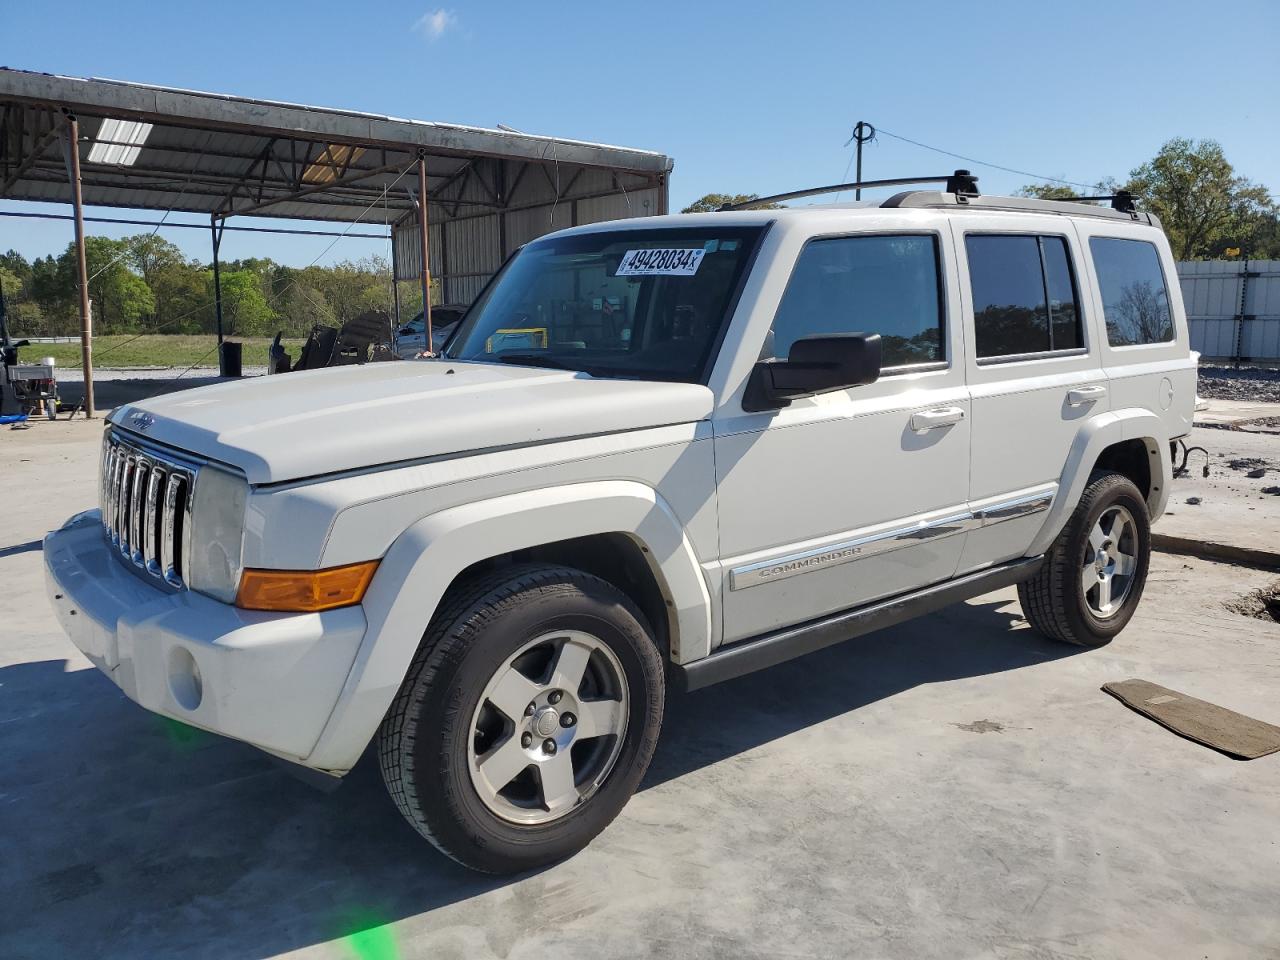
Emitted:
pixel 215 154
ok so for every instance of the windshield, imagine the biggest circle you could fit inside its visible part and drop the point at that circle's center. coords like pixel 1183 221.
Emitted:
pixel 647 304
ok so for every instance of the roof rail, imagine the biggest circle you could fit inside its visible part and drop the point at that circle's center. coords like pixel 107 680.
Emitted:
pixel 961 183
pixel 1122 208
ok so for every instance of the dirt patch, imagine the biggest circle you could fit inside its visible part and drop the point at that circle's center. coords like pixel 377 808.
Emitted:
pixel 1261 604
pixel 981 726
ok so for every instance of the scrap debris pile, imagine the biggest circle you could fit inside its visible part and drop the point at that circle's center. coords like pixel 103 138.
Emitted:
pixel 1254 384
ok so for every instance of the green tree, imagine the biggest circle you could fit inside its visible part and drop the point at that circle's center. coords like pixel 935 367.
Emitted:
pixel 120 296
pixel 714 201
pixel 1198 196
pixel 178 285
pixel 245 312
pixel 1047 191
pixel 46 287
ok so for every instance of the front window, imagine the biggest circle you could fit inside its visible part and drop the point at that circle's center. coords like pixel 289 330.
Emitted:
pixel 885 284
pixel 645 304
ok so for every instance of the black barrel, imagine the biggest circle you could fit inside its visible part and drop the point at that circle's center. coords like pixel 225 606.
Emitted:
pixel 230 359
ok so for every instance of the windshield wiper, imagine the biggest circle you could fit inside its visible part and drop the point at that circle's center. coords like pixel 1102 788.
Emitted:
pixel 534 360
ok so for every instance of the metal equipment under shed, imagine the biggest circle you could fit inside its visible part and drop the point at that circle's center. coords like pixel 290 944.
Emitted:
pixel 147 147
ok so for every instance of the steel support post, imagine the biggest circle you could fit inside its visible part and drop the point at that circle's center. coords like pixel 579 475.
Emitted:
pixel 426 269
pixel 82 267
pixel 214 226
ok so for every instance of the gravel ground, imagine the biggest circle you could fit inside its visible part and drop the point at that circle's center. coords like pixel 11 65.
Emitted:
pixel 1256 384
pixel 74 375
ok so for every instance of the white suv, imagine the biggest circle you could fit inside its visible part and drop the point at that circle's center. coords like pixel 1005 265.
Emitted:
pixel 672 449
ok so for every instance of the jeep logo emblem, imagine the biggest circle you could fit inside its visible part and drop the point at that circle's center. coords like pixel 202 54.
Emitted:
pixel 142 421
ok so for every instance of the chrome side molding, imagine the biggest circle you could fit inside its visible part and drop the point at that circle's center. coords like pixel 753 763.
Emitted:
pixel 859 547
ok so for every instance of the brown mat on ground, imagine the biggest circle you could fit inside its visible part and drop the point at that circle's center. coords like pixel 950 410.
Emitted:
pixel 1224 730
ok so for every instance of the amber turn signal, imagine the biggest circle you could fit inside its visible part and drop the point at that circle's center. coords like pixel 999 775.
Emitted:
pixel 305 591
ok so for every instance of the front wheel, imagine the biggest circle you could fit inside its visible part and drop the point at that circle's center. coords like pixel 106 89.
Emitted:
pixel 1093 575
pixel 526 720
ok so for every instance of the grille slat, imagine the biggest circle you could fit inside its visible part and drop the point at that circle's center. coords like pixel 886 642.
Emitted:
pixel 151 535
pixel 146 506
pixel 122 519
pixel 174 500
pixel 137 508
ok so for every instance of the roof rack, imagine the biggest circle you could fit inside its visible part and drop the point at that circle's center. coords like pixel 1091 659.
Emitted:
pixel 1121 200
pixel 962 183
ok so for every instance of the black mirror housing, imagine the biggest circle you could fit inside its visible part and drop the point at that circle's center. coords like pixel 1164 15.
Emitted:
pixel 814 365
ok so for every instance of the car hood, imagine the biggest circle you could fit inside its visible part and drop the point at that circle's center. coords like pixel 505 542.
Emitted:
pixel 316 422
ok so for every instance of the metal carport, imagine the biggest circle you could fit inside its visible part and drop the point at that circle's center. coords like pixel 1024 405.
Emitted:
pixel 147 147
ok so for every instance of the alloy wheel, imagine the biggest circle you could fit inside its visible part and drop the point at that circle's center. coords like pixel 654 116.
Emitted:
pixel 548 728
pixel 1110 562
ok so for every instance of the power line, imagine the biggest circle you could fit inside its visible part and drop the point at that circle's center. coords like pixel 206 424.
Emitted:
pixel 191 226
pixel 984 163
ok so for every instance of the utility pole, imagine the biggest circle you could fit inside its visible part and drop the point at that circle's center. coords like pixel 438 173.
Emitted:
pixel 863 132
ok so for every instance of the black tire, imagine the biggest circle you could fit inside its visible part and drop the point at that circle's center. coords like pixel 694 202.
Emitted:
pixel 479 625
pixel 1053 601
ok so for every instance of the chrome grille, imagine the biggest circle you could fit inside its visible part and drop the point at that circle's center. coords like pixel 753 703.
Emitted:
pixel 146 498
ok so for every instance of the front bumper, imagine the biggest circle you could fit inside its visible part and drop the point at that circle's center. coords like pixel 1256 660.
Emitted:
pixel 269 679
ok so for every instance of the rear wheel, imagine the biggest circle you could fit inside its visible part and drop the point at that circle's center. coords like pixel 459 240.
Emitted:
pixel 526 720
pixel 1094 574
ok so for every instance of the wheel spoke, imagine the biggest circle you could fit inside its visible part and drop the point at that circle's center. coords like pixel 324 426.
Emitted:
pixel 1104 594
pixel 571 664
pixel 501 764
pixel 513 693
pixel 558 790
pixel 598 718
pixel 1118 525
pixel 1088 579
pixel 1097 537
pixel 1125 564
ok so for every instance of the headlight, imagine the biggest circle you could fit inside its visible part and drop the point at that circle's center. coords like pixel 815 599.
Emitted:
pixel 217 533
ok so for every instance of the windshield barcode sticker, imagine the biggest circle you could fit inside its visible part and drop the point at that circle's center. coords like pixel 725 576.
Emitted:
pixel 660 262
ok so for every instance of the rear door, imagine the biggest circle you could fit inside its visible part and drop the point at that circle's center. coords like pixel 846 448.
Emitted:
pixel 1033 367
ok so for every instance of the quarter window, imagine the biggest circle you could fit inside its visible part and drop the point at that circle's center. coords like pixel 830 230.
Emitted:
pixel 1024 295
pixel 870 284
pixel 1135 300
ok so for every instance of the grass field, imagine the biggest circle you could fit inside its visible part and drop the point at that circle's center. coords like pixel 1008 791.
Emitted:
pixel 155 350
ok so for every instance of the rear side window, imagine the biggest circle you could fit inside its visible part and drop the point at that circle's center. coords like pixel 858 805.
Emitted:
pixel 1135 300
pixel 870 284
pixel 1024 295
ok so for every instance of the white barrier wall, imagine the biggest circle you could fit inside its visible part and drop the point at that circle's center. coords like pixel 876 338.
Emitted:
pixel 1233 308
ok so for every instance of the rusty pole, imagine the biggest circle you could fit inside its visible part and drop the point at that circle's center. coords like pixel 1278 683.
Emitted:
pixel 86 319
pixel 426 269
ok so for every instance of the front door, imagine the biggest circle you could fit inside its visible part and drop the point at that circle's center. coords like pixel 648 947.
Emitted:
pixel 858 494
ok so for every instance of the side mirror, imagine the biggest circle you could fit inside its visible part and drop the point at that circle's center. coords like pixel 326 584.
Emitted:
pixel 814 365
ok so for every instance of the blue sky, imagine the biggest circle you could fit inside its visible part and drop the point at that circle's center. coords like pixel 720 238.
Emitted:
pixel 747 97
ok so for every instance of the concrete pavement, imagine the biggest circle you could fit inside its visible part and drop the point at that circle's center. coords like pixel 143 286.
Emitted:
pixel 954 787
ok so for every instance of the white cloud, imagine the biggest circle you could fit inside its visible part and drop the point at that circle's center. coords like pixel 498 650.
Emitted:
pixel 433 24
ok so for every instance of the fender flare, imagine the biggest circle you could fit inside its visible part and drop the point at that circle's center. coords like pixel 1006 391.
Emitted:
pixel 1099 433
pixel 426 558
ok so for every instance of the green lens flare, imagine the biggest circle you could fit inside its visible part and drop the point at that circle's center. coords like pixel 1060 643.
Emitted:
pixel 375 943
pixel 185 738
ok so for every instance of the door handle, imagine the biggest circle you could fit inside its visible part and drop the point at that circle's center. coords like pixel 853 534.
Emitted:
pixel 1082 395
pixel 933 419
